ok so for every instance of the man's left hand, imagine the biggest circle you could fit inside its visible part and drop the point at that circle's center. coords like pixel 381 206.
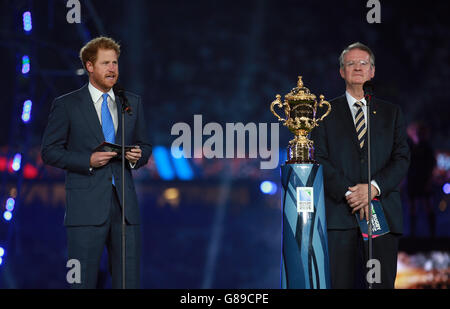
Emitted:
pixel 358 198
pixel 134 155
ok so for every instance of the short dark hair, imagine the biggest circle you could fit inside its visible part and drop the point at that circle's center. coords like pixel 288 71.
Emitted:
pixel 89 51
pixel 360 46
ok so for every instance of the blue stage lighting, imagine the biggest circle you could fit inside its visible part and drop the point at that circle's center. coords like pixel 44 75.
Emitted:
pixel 181 164
pixel 2 252
pixel 27 25
pixel 268 187
pixel 7 215
pixel 25 64
pixel 26 112
pixel 17 162
pixel 1 261
pixel 282 156
pixel 162 162
pixel 446 188
pixel 10 204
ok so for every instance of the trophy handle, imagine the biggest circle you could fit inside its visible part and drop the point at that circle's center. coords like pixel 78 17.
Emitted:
pixel 280 105
pixel 321 103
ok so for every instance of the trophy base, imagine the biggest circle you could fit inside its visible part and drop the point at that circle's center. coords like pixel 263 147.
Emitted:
pixel 304 246
pixel 301 161
pixel 300 153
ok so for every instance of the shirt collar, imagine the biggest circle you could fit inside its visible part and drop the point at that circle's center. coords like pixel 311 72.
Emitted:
pixel 97 94
pixel 351 100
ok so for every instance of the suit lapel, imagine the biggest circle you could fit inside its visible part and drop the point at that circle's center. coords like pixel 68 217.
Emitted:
pixel 119 118
pixel 90 114
pixel 347 123
pixel 374 124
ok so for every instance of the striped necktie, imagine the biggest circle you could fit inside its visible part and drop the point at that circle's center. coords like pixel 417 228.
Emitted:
pixel 360 123
pixel 107 123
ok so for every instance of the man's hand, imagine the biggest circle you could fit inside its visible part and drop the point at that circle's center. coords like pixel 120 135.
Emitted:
pixel 364 213
pixel 134 155
pixel 358 199
pixel 99 159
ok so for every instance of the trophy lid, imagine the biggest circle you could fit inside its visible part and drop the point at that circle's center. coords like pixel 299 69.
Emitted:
pixel 300 93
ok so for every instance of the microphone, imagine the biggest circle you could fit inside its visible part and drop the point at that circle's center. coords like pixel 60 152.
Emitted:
pixel 120 92
pixel 368 89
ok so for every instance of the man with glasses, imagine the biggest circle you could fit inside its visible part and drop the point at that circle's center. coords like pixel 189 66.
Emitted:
pixel 341 147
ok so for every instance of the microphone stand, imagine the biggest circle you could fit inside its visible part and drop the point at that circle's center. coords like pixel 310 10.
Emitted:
pixel 120 92
pixel 123 198
pixel 125 108
pixel 369 176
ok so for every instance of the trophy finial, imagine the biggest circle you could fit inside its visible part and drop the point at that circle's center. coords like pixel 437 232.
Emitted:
pixel 300 82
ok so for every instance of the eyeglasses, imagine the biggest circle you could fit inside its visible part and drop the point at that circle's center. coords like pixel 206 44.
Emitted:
pixel 351 64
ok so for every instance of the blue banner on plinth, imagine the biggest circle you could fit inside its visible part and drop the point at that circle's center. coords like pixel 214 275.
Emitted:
pixel 305 260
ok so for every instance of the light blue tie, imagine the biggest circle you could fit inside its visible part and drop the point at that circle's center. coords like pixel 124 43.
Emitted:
pixel 107 123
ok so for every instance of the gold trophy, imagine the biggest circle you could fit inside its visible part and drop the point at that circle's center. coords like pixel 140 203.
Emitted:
pixel 300 107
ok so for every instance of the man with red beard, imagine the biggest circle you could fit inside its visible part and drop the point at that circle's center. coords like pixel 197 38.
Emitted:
pixel 78 123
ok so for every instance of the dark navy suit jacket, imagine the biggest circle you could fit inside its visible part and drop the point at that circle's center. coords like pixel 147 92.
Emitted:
pixel 72 133
pixel 345 163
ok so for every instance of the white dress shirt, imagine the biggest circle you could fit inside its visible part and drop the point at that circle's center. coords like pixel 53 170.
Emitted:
pixel 353 109
pixel 97 99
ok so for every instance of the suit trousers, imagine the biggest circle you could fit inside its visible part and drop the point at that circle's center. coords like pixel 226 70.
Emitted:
pixel 348 256
pixel 86 244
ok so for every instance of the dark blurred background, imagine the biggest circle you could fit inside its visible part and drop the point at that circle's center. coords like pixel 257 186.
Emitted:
pixel 215 223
